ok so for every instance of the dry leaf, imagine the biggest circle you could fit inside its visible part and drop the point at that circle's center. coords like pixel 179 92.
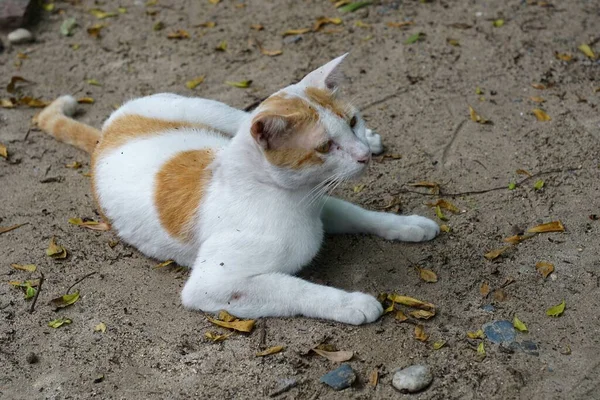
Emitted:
pixel 452 42
pixel 541 115
pixel 400 316
pixel 3 151
pixel 324 21
pixel 476 335
pixel 95 30
pixel 445 228
pixel 499 295
pixel 214 1
pixel 335 356
pixel 498 23
pixel 238 325
pixel 544 268
pixel 290 32
pixel 360 24
pixel 476 117
pixel 194 82
pixel 587 50
pixel 24 267
pixel 65 300
pixel 158 26
pixel 222 46
pixel 422 314
pixel 225 316
pixel 537 99
pixel 340 3
pixel 434 187
pixel 563 56
pixel 358 188
pixel 216 337
pixel 209 24
pixel 374 378
pixel 351 7
pixel 257 27
pixel 93 82
pixel 241 84
pixel 555 226
pixel 445 204
pixel 516 239
pixel 101 327
pixel 10 228
pixel 56 251
pixel 162 264
pixel 32 102
pixel 519 325
pixel 481 351
pixel 393 203
pixel 7 103
pixel 389 309
pixel 410 301
pixel 484 289
pixel 420 333
pixel 178 34
pixel 90 224
pixel 439 345
pixel 74 165
pixel 427 275
pixel 384 157
pixel 269 351
pixel 12 85
pixel 270 53
pixel 557 310
pixel 98 13
pixel 400 24
pixel 57 323
pixel 538 86
pixel 492 255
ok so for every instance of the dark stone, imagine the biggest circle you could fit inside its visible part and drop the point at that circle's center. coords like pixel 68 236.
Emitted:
pixel 32 358
pixel 340 378
pixel 14 13
pixel 500 331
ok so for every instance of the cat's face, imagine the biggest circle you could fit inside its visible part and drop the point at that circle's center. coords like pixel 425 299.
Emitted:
pixel 309 135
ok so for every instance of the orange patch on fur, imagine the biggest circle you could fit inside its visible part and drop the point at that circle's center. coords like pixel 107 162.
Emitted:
pixel 296 111
pixel 180 184
pixel 327 100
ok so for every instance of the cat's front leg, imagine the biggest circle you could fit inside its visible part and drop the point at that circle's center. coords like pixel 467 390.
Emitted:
pixel 340 216
pixel 374 141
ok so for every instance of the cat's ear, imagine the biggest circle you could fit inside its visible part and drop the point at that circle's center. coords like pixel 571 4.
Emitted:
pixel 328 76
pixel 267 129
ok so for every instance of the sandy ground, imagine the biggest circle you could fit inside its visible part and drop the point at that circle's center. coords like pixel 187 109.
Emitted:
pixel 417 97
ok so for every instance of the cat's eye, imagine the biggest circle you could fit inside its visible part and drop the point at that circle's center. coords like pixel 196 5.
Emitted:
pixel 325 147
pixel 353 122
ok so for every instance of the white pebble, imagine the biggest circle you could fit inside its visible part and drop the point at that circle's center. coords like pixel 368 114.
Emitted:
pixel 20 36
pixel 412 379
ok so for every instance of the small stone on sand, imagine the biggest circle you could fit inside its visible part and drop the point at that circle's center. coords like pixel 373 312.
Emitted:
pixel 340 378
pixel 412 379
pixel 20 36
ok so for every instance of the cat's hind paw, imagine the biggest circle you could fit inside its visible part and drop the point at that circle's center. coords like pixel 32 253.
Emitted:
pixel 413 228
pixel 374 140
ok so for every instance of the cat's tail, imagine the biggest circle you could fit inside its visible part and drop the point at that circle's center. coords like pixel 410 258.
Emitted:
pixel 56 120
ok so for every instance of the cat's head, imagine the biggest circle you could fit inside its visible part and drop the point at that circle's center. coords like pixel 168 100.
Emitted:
pixel 308 134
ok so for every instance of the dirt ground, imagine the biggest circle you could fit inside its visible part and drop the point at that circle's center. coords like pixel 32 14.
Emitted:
pixel 416 96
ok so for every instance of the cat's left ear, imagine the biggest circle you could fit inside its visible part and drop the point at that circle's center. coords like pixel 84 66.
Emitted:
pixel 326 77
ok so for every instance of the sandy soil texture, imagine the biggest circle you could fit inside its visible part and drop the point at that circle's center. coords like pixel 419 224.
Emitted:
pixel 417 97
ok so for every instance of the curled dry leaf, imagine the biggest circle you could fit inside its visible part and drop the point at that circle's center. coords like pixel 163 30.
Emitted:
pixel 291 32
pixel 340 3
pixel 389 309
pixel 93 82
pixel 215 337
pixel 7 103
pixel 95 30
pixel 544 268
pixel 374 378
pixel 476 117
pixel 516 239
pixel 522 172
pixel 557 310
pixel 538 86
pixel 439 345
pixel 3 151
pixel 358 188
pixel 335 356
pixel 537 99
pixel 499 295
pixel 178 34
pixel 563 56
pixel 434 187
pixel 492 255
pixel 541 115
pixel 555 226
pixel 476 335
pixel 101 327
pixel 484 289
pixel 32 102
pixel 422 314
pixel 12 85
pixel 222 46
pixel 100 14
pixel 403 24
pixel 162 264
pixel 225 316
pixel 400 316
pixel 427 275
pixel 57 323
pixel 24 284
pixel 24 267
pixel 241 84
pixel 65 300
pixel 410 301
pixel 587 50
pixel 360 24
pixel 445 204
pixel 74 165
pixel 519 325
pixel 56 251
pixel 453 42
pixel 270 53
pixel 227 320
pixel 191 84
pixel 420 333
pixel 269 351
pixel 324 21
pixel 90 224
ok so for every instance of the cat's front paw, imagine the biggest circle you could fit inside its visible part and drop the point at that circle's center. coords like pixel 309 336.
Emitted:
pixel 358 308
pixel 413 228
pixel 374 141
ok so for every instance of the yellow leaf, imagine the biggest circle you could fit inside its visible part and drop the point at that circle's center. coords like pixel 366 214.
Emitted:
pixel 516 239
pixel 498 23
pixel 158 26
pixel 122 10
pixel 24 267
pixel 324 21
pixel 56 251
pixel 222 46
pixel 360 24
pixel 3 151
pixel 538 86
pixel 439 345
pixel 32 102
pixel 422 314
pixel 93 82
pixel 65 300
pixel 433 186
pixel 33 283
pixel 555 226
pixel 164 264
pixel 440 214
pixel 335 356
pixel 537 99
pixel 10 228
pixel 541 115
pixel 238 325
pixel 476 117
pixel 85 100
pixel 484 289
pixel 7 103
pixel 445 204
pixel 400 316
pixel 12 85
pixel 556 310
pixel 453 42
pixel 420 333
pixel 400 24
pixel 178 34
pixel 492 255
pixel 269 351
pixel 241 84
pixel 225 316
pixel 445 228
pixel 214 1
pixel 95 30
pixel 544 268
pixel 101 327
pixel 374 378
pixel 389 309
pixel 519 325
pixel 208 24
pixel 341 3
pixel 75 46
pixel 290 32
pixel 270 53
pixel 194 82
pixel 410 301
pixel 57 323
pixel 563 56
pixel 476 335
pixel 98 13
pixel 90 224
pixel 48 6
pixel 216 337
pixel 587 50
pixel 481 350
pixel 427 275
pixel 359 188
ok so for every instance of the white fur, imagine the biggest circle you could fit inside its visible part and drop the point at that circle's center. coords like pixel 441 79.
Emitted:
pixel 257 224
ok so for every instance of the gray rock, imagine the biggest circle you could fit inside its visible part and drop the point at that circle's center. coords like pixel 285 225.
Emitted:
pixel 20 36
pixel 14 13
pixel 340 378
pixel 412 379
pixel 500 331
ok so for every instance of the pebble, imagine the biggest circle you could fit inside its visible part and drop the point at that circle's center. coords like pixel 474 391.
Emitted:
pixel 283 385
pixel 20 36
pixel 412 379
pixel 526 346
pixel 340 378
pixel 500 331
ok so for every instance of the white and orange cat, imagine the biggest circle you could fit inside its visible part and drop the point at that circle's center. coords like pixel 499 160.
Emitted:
pixel 239 197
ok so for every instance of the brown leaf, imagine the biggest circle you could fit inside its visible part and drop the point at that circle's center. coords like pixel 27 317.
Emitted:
pixel 499 295
pixel 563 56
pixel 405 24
pixel 257 27
pixel 74 165
pixel 24 267
pixel 492 255
pixel 484 289
pixel 460 25
pixel 324 21
pixel 410 301
pixel 12 85
pixel 433 186
pixel 179 34
pixel 335 356
pixel 541 115
pixel 538 86
pixel 374 378
pixel 537 99
pixel 522 172
pixel 516 239
pixel 422 314
pixel 56 251
pixel 161 265
pixel 427 275
pixel 34 103
pixel 384 157
pixel 555 226
pixel 420 333
pixel 95 30
pixel 3 151
pixel 269 351
pixel 65 300
pixel 225 316
pixel 270 53
pixel 215 337
pixel 10 228
pixel 476 117
pixel 445 204
pixel 400 316
pixel 208 24
pixel 90 224
pixel 238 325
pixel 290 32
pixel 7 103
pixel 544 268
pixel 393 203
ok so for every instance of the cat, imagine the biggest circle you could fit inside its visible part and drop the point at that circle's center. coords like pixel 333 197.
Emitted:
pixel 239 197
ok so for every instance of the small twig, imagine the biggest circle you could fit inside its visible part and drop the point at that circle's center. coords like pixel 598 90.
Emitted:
pixel 262 337
pixel 398 91
pixel 86 276
pixel 471 192
pixel 37 293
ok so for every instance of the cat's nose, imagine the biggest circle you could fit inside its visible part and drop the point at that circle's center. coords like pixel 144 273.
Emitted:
pixel 364 159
